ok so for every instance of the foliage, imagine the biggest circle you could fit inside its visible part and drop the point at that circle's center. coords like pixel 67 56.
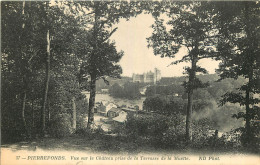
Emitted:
pixel 129 90
pixel 203 108
pixel 172 86
pixel 189 28
pixel 60 125
pixel 201 132
pixel 189 25
pixel 100 84
pixel 116 90
pixel 169 132
pixel 81 122
pixel 98 53
pixel 81 52
pixel 165 90
pixel 146 125
pixel 23 66
pixel 164 105
pixel 238 50
pixel 174 137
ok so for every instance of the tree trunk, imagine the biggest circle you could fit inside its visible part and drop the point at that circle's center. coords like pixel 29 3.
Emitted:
pixel 25 79
pixel 188 117
pixel 32 128
pixel 250 52
pixel 49 112
pixel 248 132
pixel 93 75
pixel 32 113
pixel 91 101
pixel 74 114
pixel 192 75
pixel 47 79
pixel 23 113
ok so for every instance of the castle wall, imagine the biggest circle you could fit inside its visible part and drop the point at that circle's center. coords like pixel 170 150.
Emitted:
pixel 149 77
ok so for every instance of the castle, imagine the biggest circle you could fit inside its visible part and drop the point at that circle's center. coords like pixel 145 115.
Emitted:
pixel 148 77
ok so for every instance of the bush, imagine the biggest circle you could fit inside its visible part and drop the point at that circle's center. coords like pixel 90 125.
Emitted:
pixel 201 137
pixel 146 128
pixel 167 105
pixel 146 125
pixel 81 122
pixel 119 129
pixel 174 137
pixel 60 125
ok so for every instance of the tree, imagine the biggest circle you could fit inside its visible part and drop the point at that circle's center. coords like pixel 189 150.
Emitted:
pixel 164 105
pixel 116 90
pixel 99 55
pixel 131 90
pixel 189 25
pixel 24 50
pixel 21 56
pixel 238 48
pixel 54 27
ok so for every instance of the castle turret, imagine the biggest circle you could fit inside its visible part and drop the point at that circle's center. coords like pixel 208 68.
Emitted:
pixel 157 75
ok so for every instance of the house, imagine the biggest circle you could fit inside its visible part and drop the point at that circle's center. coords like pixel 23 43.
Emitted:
pixel 129 110
pixel 108 106
pixel 105 107
pixel 96 107
pixel 136 107
pixel 104 90
pixel 117 115
pixel 113 112
pixel 121 118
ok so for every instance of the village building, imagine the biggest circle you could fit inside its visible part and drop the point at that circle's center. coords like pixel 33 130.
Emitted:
pixel 129 110
pixel 104 107
pixel 121 118
pixel 104 90
pixel 117 115
pixel 113 112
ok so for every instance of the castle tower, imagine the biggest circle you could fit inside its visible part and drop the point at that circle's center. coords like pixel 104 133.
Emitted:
pixel 157 75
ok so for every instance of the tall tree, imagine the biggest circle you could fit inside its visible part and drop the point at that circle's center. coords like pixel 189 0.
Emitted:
pixel 47 70
pixel 100 56
pixel 239 48
pixel 26 48
pixel 18 46
pixel 188 25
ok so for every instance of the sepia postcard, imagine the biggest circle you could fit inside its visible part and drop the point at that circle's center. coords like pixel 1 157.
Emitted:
pixel 130 82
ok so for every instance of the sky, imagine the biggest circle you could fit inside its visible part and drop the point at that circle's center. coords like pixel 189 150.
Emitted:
pixel 138 58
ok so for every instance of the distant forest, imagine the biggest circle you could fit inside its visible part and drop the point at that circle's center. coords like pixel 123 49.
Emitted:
pixel 168 97
pixel 100 84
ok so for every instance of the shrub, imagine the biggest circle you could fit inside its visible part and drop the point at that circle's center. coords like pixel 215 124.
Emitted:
pixel 60 125
pixel 174 137
pixel 146 125
pixel 81 122
pixel 167 105
pixel 147 128
pixel 119 129
pixel 201 137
